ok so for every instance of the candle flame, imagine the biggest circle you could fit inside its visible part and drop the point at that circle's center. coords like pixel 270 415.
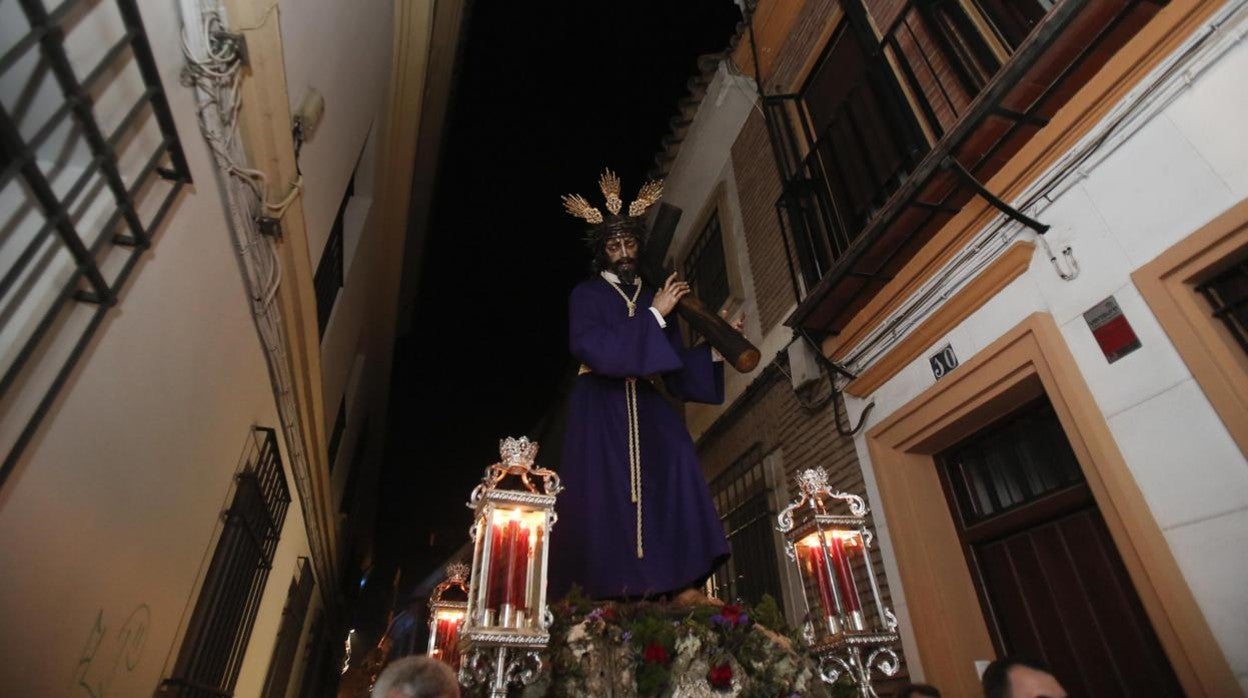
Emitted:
pixel 526 519
pixel 849 539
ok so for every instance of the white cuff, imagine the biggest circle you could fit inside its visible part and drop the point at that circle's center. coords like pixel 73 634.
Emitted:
pixel 659 316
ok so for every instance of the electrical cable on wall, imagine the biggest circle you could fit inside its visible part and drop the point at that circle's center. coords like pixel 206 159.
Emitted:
pixel 214 69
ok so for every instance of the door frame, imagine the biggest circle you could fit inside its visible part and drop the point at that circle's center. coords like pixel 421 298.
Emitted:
pixel 1030 360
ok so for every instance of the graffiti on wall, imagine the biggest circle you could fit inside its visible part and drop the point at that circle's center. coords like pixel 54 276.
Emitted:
pixel 111 650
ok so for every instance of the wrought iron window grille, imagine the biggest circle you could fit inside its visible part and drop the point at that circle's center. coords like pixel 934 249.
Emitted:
pixel 294 614
pixel 330 271
pixel 902 130
pixel 742 496
pixel 1227 295
pixel 90 166
pixel 220 627
pixel 706 267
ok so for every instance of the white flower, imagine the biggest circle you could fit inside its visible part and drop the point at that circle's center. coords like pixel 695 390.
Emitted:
pixel 688 645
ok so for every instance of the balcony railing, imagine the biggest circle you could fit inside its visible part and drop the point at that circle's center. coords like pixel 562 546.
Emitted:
pixel 949 81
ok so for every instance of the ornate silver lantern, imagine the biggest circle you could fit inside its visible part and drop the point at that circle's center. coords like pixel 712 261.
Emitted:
pixel 507 621
pixel 448 604
pixel 850 630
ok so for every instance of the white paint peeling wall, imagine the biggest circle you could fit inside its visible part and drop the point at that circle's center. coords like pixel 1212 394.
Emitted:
pixel 1183 167
pixel 115 506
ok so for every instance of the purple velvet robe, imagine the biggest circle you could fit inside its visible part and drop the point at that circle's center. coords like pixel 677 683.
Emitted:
pixel 594 542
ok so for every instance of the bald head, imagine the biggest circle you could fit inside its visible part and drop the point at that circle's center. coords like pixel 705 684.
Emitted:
pixel 416 677
pixel 1013 677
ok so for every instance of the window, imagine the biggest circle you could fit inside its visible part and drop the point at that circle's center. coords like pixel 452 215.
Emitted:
pixel 357 464
pixel 293 616
pixel 220 626
pixel 705 267
pixel 1196 289
pixel 316 658
pixel 1227 294
pixel 329 271
pixel 90 166
pixel 335 437
pixel 741 495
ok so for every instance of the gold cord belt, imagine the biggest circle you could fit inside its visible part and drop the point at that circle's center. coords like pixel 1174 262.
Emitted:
pixel 634 453
pixel 634 435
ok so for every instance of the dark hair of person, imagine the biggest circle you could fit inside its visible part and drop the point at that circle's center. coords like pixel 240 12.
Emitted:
pixel 918 690
pixel 996 678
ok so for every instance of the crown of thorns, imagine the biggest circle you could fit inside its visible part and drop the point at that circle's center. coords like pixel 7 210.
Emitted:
pixel 609 183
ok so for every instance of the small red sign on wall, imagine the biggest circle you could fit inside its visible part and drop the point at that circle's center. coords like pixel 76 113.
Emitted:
pixel 1112 331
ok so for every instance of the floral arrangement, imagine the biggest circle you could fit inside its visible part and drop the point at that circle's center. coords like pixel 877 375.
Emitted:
pixel 654 649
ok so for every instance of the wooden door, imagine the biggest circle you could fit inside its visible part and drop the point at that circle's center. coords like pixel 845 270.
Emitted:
pixel 1048 574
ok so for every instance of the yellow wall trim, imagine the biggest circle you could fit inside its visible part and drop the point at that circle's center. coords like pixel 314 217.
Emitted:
pixel 1030 360
pixel 990 282
pixel 1168 284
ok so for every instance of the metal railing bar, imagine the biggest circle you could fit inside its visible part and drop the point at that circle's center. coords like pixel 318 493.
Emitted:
pixel 151 75
pixel 36 241
pixel 13 54
pixel 50 205
pixel 80 100
pixel 106 61
pixel 67 292
pixel 915 87
pixel 1044 96
pixel 45 404
pixel 940 84
pixel 1028 52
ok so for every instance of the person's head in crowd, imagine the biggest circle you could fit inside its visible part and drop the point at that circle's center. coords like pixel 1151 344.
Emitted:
pixel 918 690
pixel 416 677
pixel 1016 677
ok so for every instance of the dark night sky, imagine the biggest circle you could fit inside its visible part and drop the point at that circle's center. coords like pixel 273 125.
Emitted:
pixel 547 94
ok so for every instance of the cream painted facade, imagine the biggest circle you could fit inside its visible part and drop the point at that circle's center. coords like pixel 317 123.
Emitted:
pixel 110 517
pixel 1180 167
pixel 1174 169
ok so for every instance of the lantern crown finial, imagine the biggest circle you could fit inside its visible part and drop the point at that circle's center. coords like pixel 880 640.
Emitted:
pixel 517 452
pixel 812 481
pixel 457 572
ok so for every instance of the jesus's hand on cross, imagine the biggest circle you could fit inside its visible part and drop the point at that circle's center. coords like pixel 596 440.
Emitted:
pixel 666 299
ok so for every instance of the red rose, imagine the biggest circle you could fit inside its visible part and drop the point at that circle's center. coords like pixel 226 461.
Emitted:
pixel 655 654
pixel 732 613
pixel 720 676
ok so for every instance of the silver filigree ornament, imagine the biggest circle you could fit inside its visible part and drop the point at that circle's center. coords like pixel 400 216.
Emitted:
pixel 517 452
pixel 457 572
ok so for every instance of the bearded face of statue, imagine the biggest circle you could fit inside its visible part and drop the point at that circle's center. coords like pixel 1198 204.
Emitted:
pixel 620 253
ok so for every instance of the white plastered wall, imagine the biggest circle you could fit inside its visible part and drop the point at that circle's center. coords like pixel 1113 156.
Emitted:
pixel 115 506
pixel 1183 167
pixel 701 178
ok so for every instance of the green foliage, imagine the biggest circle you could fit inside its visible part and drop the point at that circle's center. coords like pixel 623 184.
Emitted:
pixel 768 614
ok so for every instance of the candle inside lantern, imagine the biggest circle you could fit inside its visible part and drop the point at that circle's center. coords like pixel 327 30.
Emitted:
pixel 816 569
pixel 446 637
pixel 534 585
pixel 511 540
pixel 837 542
pixel 494 577
pixel 518 569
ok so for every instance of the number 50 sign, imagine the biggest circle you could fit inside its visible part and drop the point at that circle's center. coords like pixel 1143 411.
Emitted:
pixel 943 361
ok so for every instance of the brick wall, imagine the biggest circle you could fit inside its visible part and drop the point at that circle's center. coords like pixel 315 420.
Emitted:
pixel 758 187
pixel 771 416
